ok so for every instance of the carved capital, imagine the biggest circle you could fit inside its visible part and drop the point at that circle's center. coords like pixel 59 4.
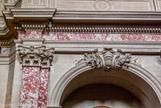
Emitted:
pixel 108 59
pixel 36 56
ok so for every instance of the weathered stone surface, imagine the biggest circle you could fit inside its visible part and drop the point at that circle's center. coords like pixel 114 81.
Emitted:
pixel 92 5
pixel 95 5
pixel 106 5
pixel 158 5
pixel 33 82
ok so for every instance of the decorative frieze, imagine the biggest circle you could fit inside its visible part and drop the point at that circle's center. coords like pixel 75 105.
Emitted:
pixel 108 59
pixel 36 56
pixel 89 36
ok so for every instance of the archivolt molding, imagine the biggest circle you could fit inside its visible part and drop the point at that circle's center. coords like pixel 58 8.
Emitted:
pixel 64 81
pixel 36 56
pixel 81 67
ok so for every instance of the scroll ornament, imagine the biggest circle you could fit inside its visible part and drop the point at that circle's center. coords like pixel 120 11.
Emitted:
pixel 36 56
pixel 108 59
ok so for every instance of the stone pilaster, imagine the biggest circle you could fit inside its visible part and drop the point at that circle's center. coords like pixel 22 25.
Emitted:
pixel 36 62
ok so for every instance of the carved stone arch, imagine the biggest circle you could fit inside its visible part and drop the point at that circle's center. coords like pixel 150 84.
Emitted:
pixel 137 70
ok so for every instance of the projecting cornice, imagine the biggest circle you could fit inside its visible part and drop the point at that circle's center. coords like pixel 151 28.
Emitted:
pixel 113 22
pixel 20 19
pixel 96 17
pixel 20 16
pixel 6 5
pixel 109 17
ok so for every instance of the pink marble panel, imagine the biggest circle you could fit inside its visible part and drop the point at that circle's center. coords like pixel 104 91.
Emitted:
pixel 43 90
pixel 91 36
pixel 30 34
pixel 30 87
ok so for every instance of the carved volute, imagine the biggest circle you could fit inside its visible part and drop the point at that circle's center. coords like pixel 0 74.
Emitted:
pixel 36 56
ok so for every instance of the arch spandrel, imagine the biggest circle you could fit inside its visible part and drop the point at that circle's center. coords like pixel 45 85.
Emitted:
pixel 134 78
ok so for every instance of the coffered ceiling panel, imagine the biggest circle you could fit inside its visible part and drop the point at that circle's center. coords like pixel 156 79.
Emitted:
pixel 106 5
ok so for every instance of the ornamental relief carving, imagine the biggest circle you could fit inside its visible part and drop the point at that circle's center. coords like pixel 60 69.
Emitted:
pixel 36 56
pixel 105 5
pixel 108 59
pixel 36 3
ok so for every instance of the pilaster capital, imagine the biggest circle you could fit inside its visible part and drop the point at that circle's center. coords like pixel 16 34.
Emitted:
pixel 36 56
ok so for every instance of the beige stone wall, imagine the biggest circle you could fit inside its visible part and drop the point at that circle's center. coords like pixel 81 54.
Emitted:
pixel 11 73
pixel 4 71
pixel 9 85
pixel 64 62
pixel 158 5
pixel 95 5
pixel 152 64
pixel 7 66
pixel 15 94
pixel 1 6
pixel 38 4
pixel 106 5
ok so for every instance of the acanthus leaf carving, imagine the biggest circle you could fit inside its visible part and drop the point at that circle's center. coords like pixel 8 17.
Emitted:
pixel 108 59
pixel 36 56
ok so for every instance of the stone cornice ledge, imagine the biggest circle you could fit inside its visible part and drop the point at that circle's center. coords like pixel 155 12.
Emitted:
pixel 20 17
pixel 29 12
pixel 64 21
pixel 4 30
pixel 107 17
pixel 15 15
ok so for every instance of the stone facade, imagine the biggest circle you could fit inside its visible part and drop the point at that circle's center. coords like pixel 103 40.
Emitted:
pixel 66 53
